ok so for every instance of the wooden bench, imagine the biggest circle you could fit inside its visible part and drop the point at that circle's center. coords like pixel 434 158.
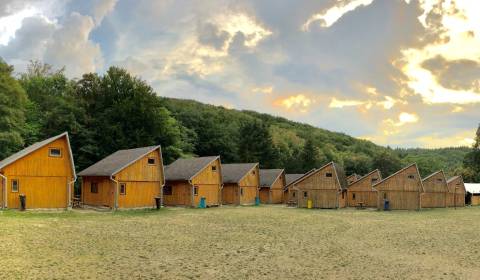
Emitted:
pixel 361 205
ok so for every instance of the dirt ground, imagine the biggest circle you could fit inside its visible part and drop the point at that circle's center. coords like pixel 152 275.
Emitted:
pixel 266 242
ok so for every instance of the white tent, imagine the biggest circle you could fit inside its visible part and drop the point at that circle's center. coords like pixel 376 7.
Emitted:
pixel 473 188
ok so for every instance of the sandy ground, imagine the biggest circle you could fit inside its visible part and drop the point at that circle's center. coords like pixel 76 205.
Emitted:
pixel 267 242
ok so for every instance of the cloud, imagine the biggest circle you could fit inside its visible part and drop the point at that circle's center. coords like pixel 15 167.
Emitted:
pixel 335 103
pixel 297 103
pixel 102 8
pixel 463 138
pixel 331 15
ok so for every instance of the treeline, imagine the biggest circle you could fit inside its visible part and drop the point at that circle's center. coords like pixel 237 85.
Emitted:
pixel 105 113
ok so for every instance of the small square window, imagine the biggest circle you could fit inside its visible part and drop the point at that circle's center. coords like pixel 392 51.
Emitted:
pixel 458 184
pixel 439 179
pixel 93 188
pixel 305 194
pixel 253 172
pixel 167 190
pixel 15 185
pixel 328 175
pixel 195 190
pixel 151 161
pixel 214 168
pixel 353 196
pixel 123 189
pixel 241 191
pixel 374 180
pixel 55 152
pixel 293 194
pixel 411 176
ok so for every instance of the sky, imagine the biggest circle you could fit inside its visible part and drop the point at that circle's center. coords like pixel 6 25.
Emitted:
pixel 402 73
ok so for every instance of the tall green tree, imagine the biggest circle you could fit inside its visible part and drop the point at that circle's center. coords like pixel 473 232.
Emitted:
pixel 387 162
pixel 471 162
pixel 12 111
pixel 256 144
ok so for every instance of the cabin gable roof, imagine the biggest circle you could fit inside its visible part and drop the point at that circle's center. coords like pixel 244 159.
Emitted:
pixel 399 172
pixel 368 175
pixel 339 174
pixel 185 169
pixel 269 176
pixel 36 146
pixel 118 161
pixel 233 173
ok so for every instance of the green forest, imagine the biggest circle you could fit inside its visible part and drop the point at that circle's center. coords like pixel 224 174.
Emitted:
pixel 116 110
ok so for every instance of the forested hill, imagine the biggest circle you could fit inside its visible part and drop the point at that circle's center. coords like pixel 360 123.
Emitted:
pixel 298 147
pixel 116 110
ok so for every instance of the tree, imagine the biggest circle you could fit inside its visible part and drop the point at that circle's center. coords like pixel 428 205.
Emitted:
pixel 471 162
pixel 12 111
pixel 256 144
pixel 387 162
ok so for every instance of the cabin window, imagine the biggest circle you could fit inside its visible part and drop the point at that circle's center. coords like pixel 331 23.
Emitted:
pixel 253 172
pixel 293 194
pixel 123 189
pixel 343 195
pixel 411 176
pixel 458 184
pixel 15 185
pixel 241 191
pixel 214 168
pixel 93 187
pixel 55 152
pixel 195 190
pixel 439 179
pixel 305 194
pixel 167 190
pixel 384 195
pixel 328 174
pixel 374 180
pixel 151 161
pixel 353 196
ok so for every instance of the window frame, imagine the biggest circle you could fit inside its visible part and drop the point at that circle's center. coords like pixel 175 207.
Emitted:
pixel 92 184
pixel 411 176
pixel 124 188
pixel 241 191
pixel 17 184
pixel 154 161
pixel 195 190
pixel 329 174
pixel 214 168
pixel 353 196
pixel 374 180
pixel 305 194
pixel 168 187
pixel 50 149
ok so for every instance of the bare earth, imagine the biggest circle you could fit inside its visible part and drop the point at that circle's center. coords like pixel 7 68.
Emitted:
pixel 267 242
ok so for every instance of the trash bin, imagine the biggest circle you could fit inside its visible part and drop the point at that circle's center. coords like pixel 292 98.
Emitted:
pixel 309 204
pixel 203 202
pixel 257 201
pixel 158 202
pixel 23 202
pixel 386 205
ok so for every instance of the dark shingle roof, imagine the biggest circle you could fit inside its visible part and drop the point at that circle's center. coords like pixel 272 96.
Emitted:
pixel 117 161
pixel 184 169
pixel 234 172
pixel 35 146
pixel 269 176
pixel 290 178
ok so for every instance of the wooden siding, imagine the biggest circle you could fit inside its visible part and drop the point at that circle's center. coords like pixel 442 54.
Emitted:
pixel 230 194
pixel 435 191
pixel 249 185
pixel 475 200
pixel 322 190
pixel 457 192
pixel 141 171
pixel 209 183
pixel 1 192
pixel 139 194
pixel 42 178
pixel 181 194
pixel 362 191
pixel 264 194
pixel 106 191
pixel 401 191
pixel 274 194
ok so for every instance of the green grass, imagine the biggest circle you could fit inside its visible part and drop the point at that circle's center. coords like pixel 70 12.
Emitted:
pixel 269 242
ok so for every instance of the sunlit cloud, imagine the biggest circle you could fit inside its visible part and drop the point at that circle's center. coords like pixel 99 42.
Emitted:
pixel 331 15
pixel 10 24
pixel 233 23
pixel 299 102
pixel 265 89
pixel 459 39
pixel 457 109
pixel 463 138
pixel 335 103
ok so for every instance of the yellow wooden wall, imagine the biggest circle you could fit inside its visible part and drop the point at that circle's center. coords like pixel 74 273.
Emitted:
pixel 43 179
pixel 363 191
pixel 401 191
pixel 139 195
pixel 264 194
pixel 181 194
pixel 250 184
pixel 1 192
pixel 322 190
pixel 435 191
pixel 230 194
pixel 475 200
pixel 276 192
pixel 106 191
pixel 457 191
pixel 141 171
pixel 209 184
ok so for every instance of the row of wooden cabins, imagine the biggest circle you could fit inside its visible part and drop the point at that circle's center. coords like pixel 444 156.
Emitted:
pixel 44 172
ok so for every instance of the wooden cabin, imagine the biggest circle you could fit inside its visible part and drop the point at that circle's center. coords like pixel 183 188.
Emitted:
pixel 360 193
pixel 289 195
pixel 402 189
pixel 272 183
pixel 130 178
pixel 190 179
pixel 353 178
pixel 456 192
pixel 241 182
pixel 44 172
pixel 473 194
pixel 325 187
pixel 435 191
